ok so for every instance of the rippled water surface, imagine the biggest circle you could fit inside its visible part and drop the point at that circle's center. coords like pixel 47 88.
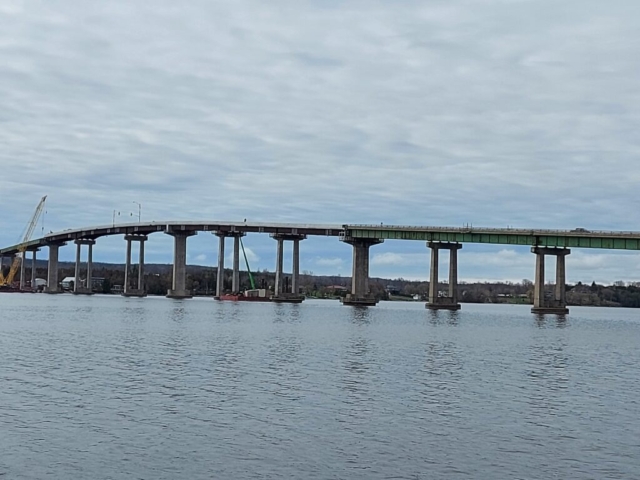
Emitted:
pixel 114 388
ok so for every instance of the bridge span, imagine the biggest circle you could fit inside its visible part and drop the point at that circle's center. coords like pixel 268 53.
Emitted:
pixel 543 242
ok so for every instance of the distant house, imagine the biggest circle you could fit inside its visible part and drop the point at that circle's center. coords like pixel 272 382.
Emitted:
pixel 392 290
pixel 337 288
pixel 97 284
pixel 67 283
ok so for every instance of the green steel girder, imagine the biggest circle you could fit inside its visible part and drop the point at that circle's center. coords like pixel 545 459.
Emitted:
pixel 626 241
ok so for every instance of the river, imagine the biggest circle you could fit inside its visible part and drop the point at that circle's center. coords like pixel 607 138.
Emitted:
pixel 105 387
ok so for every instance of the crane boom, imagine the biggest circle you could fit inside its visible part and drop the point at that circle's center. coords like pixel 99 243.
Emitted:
pixel 253 284
pixel 6 281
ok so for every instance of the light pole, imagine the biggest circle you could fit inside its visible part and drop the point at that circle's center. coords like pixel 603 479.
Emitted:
pixel 114 217
pixel 139 210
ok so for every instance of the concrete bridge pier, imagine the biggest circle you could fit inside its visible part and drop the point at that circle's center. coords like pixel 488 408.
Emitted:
pixel 557 303
pixel 220 274
pixel 34 259
pixel 277 288
pixel 85 289
pixel 52 269
pixel 450 302
pixel 279 295
pixel 23 270
pixel 360 295
pixel 179 282
pixel 139 291
pixel 235 274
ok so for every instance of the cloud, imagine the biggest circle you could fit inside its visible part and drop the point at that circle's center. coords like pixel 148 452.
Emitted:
pixel 251 256
pixel 329 262
pixel 442 113
pixel 399 259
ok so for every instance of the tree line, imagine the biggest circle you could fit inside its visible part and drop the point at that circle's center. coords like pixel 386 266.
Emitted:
pixel 201 280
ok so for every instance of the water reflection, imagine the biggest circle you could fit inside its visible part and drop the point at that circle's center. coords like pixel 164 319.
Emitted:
pixel 176 314
pixel 286 313
pixel 547 373
pixel 357 365
pixel 438 380
pixel 360 315
pixel 441 317
pixel 133 314
pixel 543 321
pixel 283 367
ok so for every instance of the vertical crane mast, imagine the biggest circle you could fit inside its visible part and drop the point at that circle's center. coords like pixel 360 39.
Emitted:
pixel 6 281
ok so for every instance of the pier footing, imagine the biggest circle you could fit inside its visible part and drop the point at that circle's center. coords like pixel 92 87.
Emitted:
pixel 442 306
pixel 359 301
pixel 178 294
pixel 134 293
pixel 287 298
pixel 550 310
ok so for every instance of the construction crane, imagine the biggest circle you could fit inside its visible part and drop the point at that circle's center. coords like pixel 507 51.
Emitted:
pixel 253 283
pixel 6 282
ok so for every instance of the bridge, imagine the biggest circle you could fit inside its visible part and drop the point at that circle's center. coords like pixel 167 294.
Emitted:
pixel 543 243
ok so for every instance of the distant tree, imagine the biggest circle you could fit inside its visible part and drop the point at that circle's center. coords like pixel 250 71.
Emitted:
pixel 106 286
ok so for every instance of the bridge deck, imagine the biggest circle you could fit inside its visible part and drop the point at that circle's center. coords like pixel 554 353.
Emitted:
pixel 176 226
pixel 577 238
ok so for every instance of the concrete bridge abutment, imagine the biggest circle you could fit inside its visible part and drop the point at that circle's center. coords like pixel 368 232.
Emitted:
pixel 360 295
pixel 556 303
pixel 179 281
pixel 139 291
pixel 279 294
pixel 437 302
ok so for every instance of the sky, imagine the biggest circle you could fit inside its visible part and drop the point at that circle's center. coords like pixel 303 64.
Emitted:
pixel 495 113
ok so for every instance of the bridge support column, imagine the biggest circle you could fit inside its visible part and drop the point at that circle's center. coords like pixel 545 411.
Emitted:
pixel 558 303
pixel 235 274
pixel 295 268
pixel 220 273
pixel 139 291
pixel 280 294
pixel 360 295
pixel 78 288
pixel 277 289
pixel 450 302
pixel 52 269
pixel 34 259
pixel 23 270
pixel 178 289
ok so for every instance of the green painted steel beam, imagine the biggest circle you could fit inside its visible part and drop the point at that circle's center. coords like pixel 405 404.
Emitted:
pixel 542 238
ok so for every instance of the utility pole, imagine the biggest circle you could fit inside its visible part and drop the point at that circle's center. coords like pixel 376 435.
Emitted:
pixel 139 210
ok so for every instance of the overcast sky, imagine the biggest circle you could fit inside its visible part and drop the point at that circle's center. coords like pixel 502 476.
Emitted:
pixel 491 112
